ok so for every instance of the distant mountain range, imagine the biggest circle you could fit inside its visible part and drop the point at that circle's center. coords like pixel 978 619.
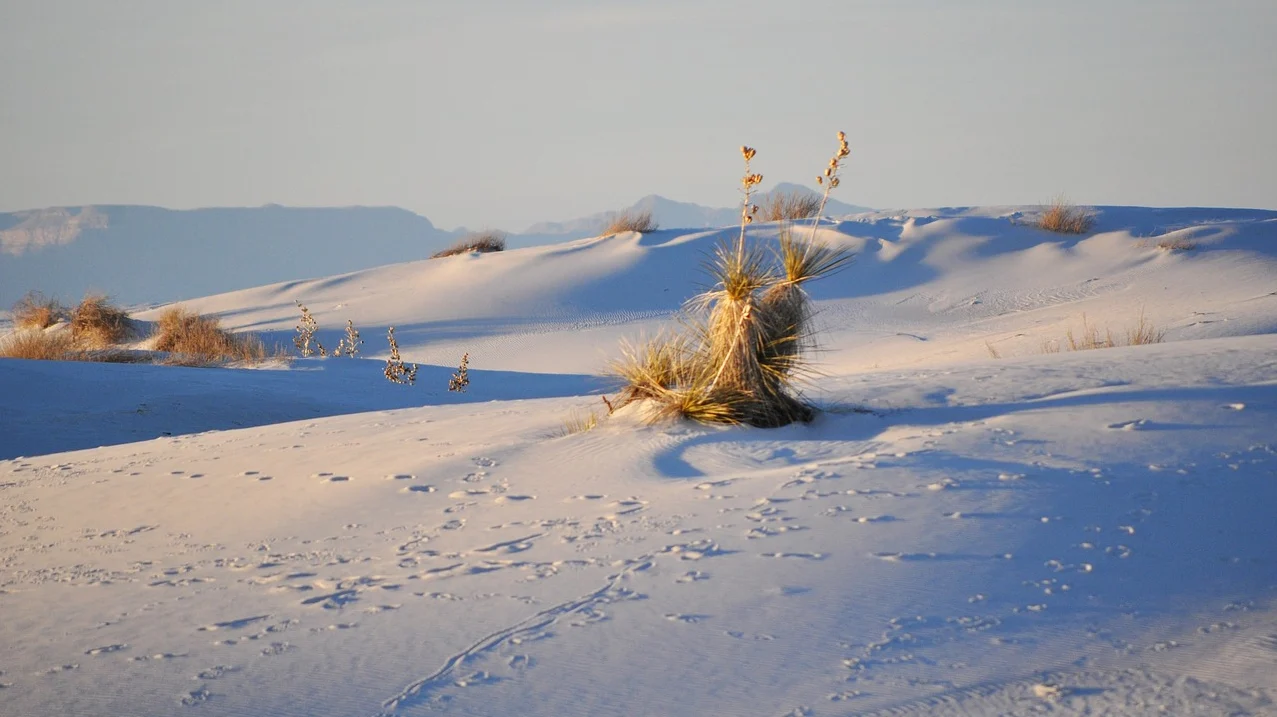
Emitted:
pixel 140 254
pixel 669 214
pixel 149 255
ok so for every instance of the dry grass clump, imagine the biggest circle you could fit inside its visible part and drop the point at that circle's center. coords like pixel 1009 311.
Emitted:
pixel 1173 244
pixel 1065 218
pixel 97 324
pixel 740 365
pixel 482 242
pixel 38 345
pixel 35 311
pixel 579 422
pixel 791 206
pixel 1091 338
pixel 631 221
pixel 194 340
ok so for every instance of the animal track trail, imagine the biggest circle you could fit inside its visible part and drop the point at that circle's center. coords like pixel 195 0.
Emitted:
pixel 425 690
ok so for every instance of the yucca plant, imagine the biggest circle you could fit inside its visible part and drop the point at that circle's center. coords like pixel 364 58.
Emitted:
pixel 739 365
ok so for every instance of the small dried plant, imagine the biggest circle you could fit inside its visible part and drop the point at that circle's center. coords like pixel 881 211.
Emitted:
pixel 395 369
pixel 306 334
pixel 35 311
pixel 460 380
pixel 349 344
pixel 631 221
pixel 1090 337
pixel 1063 217
pixel 789 206
pixel 481 242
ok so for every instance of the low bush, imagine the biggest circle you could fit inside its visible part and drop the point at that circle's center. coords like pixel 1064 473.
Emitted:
pixel 194 340
pixel 38 345
pixel 98 324
pixel 482 242
pixel 35 311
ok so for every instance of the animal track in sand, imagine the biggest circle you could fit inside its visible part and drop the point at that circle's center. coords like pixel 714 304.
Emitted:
pixel 692 576
pixel 513 498
pixel 234 624
pixel 215 672
pixel 687 618
pixel 196 697
pixel 800 556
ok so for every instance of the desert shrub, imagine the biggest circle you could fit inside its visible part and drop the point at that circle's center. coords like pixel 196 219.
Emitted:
pixel 1090 337
pixel 789 206
pixel 482 242
pixel 306 329
pixel 396 371
pixel 1065 218
pixel 97 324
pixel 194 340
pixel 38 345
pixel 738 363
pixel 349 344
pixel 35 311
pixel 631 220
pixel 460 380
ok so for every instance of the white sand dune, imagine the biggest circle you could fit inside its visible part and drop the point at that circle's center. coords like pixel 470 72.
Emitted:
pixel 1063 533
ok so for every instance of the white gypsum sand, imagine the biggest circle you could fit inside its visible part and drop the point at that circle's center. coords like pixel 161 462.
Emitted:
pixel 1080 532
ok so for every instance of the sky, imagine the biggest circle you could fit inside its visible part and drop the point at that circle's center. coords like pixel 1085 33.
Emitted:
pixel 492 114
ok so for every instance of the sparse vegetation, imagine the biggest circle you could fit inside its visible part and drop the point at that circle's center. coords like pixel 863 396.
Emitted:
pixel 194 340
pixel 1063 217
pixel 1173 244
pixel 482 242
pixel 396 371
pixel 579 421
pixel 1090 337
pixel 35 311
pixel 349 344
pixel 631 221
pixel 97 324
pixel 39 345
pixel 790 206
pixel 306 334
pixel 460 380
pixel 739 366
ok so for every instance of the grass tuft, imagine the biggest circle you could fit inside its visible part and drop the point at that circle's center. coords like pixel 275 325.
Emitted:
pixel 631 221
pixel 97 324
pixel 1090 337
pixel 35 311
pixel 482 242
pixel 194 340
pixel 789 206
pixel 1062 217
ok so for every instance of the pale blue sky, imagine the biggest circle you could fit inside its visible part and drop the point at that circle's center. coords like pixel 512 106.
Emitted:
pixel 500 114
